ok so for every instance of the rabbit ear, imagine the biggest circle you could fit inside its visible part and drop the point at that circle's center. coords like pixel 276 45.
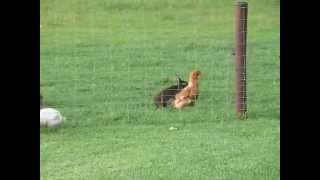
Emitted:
pixel 178 77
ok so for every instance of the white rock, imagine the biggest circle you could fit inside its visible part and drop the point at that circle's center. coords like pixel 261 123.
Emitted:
pixel 50 117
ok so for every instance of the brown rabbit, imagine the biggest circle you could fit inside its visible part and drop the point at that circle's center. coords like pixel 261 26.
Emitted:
pixel 166 96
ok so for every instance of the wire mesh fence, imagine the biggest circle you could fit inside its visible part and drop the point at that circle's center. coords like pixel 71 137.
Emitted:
pixel 98 59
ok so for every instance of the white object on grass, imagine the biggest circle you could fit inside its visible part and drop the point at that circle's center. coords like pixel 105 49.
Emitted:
pixel 50 117
pixel 173 128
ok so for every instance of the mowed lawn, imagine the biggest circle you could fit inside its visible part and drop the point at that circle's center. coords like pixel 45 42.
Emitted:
pixel 102 61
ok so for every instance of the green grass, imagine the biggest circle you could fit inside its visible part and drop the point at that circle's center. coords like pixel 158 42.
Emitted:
pixel 103 61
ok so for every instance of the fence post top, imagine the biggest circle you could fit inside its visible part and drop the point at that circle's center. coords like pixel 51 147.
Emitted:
pixel 242 3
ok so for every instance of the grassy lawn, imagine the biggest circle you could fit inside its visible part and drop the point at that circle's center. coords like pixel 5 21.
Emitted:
pixel 102 61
